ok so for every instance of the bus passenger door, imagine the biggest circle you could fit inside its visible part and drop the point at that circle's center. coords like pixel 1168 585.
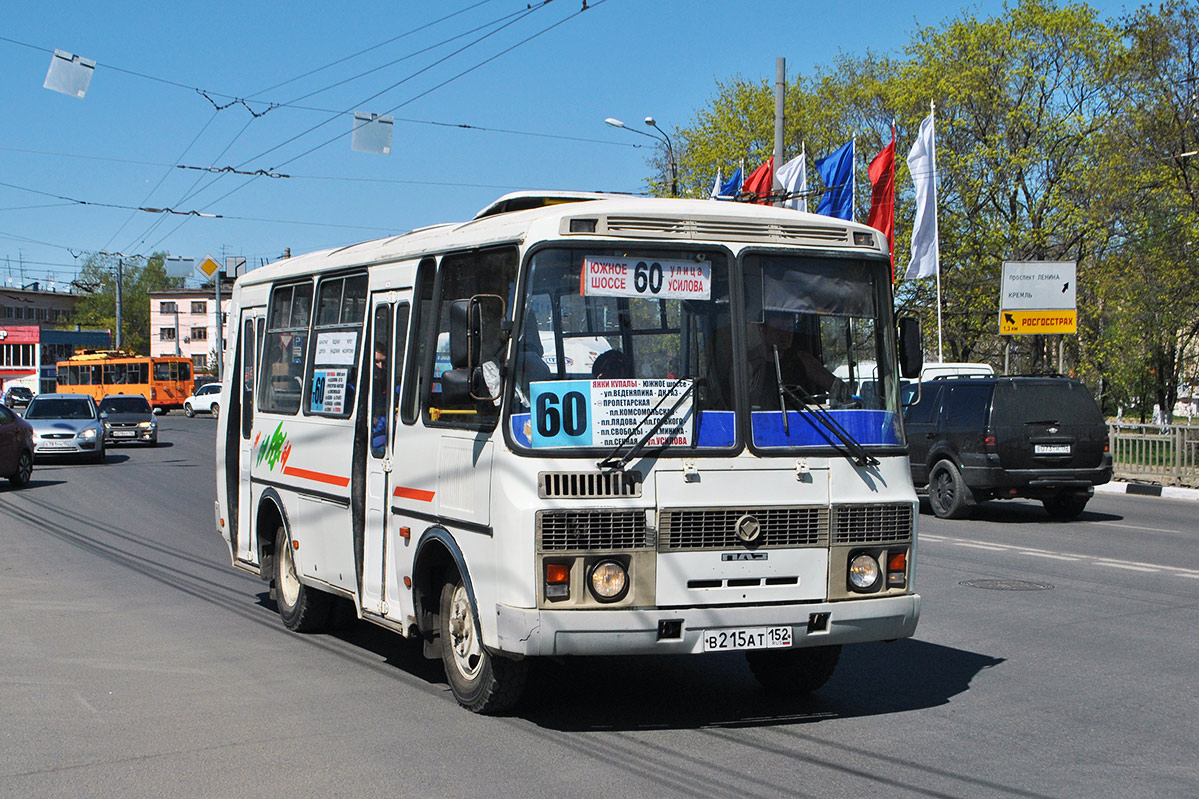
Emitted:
pixel 252 323
pixel 388 334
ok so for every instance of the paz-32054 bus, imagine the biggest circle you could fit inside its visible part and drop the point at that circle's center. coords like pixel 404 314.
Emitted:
pixel 580 425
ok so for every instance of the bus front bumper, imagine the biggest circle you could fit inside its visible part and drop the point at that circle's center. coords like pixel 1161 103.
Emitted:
pixel 680 631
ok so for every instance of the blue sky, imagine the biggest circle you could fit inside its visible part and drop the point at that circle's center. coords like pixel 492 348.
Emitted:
pixel 165 67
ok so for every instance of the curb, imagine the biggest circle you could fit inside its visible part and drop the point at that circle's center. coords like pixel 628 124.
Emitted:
pixel 1148 490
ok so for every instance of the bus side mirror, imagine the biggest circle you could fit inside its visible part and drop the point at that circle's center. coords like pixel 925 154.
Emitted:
pixel 911 348
pixel 464 336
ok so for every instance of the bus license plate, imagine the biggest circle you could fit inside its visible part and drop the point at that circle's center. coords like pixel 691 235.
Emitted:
pixel 1051 449
pixel 747 638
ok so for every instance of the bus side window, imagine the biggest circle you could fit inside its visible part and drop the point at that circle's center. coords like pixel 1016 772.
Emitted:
pixel 283 350
pixel 461 277
pixel 422 329
pixel 333 347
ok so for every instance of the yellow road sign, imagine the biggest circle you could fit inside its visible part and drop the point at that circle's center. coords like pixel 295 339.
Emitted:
pixel 208 266
pixel 1026 323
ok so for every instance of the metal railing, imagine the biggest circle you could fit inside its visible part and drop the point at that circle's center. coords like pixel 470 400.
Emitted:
pixel 1159 453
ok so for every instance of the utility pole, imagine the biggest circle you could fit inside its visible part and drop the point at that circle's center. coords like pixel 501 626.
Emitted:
pixel 120 276
pixel 780 91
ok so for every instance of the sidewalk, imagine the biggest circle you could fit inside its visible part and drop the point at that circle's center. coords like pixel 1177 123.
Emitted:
pixel 1148 490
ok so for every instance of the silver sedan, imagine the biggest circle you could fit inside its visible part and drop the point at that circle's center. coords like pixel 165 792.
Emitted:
pixel 66 424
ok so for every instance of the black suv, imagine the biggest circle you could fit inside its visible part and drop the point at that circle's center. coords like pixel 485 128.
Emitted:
pixel 976 438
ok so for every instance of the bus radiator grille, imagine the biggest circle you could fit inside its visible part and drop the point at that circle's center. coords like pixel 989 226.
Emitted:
pixel 716 528
pixel 588 485
pixel 571 530
pixel 864 524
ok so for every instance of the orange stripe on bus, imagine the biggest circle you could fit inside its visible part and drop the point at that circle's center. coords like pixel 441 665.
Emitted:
pixel 320 477
pixel 413 493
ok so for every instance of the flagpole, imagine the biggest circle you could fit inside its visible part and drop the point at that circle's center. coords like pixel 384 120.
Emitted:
pixel 803 189
pixel 932 110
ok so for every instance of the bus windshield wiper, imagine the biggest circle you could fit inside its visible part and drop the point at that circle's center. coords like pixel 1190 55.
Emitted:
pixel 829 422
pixel 610 461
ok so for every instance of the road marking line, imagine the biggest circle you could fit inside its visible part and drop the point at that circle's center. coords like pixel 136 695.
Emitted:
pixel 1127 566
pixel 1038 554
pixel 1135 527
pixel 972 545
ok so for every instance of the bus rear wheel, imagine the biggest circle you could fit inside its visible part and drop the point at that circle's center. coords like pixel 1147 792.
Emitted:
pixel 481 681
pixel 303 609
pixel 793 671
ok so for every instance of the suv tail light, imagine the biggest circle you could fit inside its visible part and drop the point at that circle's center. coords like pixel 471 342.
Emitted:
pixel 990 444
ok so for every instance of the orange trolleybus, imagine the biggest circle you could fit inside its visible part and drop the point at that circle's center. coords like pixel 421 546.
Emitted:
pixel 165 381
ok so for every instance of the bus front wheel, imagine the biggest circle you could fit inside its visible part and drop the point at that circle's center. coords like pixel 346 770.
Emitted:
pixel 481 681
pixel 793 671
pixel 303 609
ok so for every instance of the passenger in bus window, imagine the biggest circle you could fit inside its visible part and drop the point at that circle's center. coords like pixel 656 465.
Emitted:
pixel 611 365
pixel 379 401
pixel 531 366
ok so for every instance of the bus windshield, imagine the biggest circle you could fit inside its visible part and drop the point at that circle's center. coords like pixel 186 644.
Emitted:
pixel 822 325
pixel 613 341
pixel 615 346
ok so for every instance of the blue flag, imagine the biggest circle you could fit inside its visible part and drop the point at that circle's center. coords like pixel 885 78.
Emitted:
pixel 732 185
pixel 836 170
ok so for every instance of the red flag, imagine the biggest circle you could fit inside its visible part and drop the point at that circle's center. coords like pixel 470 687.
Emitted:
pixel 760 182
pixel 882 201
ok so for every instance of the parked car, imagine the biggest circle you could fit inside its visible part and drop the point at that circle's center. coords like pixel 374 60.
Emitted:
pixel 128 418
pixel 976 438
pixel 17 397
pixel 205 399
pixel 66 424
pixel 16 447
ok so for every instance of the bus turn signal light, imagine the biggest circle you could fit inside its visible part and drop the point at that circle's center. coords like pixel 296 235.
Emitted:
pixel 557 581
pixel 897 567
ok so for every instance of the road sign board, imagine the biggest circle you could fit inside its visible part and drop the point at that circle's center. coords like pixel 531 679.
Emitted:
pixel 1025 323
pixel 208 266
pixel 1038 297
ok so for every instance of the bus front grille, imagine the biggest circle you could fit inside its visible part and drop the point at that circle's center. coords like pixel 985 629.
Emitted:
pixel 577 530
pixel 717 528
pixel 864 524
pixel 588 485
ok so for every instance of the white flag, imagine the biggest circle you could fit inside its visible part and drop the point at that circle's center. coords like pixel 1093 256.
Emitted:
pixel 716 186
pixel 793 177
pixel 922 163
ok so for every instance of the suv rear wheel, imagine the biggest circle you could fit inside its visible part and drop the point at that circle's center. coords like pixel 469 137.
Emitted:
pixel 1065 506
pixel 948 493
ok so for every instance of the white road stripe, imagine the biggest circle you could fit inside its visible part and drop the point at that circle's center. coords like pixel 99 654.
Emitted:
pixel 1094 560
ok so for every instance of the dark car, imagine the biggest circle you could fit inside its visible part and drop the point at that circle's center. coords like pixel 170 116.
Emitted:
pixel 16 447
pixel 972 439
pixel 17 397
pixel 128 418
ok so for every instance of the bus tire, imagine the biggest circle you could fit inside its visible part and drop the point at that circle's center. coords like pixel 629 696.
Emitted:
pixel 793 671
pixel 482 682
pixel 303 609
pixel 948 494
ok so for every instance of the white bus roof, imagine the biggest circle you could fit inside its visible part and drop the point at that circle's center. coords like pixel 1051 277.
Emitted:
pixel 514 217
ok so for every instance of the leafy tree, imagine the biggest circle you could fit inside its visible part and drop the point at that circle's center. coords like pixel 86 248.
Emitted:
pixel 139 277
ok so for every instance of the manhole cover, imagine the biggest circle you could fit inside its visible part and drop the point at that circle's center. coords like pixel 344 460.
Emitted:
pixel 1007 585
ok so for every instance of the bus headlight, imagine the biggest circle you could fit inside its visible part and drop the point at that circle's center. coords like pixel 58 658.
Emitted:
pixel 864 573
pixel 609 581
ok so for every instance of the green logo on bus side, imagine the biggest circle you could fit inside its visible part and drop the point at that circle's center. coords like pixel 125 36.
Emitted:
pixel 272 448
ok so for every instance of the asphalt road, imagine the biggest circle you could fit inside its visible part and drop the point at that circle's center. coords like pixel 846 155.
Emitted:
pixel 1052 660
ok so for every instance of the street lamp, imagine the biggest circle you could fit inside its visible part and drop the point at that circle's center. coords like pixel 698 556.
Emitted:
pixel 662 137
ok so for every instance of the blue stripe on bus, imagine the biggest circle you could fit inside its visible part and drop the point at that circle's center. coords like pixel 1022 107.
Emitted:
pixel 869 427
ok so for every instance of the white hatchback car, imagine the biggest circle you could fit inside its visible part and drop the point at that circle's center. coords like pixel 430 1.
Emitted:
pixel 206 399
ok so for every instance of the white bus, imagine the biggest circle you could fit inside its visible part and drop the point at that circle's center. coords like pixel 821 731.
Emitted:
pixel 606 461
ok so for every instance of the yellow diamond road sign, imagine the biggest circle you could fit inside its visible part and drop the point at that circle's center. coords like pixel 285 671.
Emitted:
pixel 208 266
